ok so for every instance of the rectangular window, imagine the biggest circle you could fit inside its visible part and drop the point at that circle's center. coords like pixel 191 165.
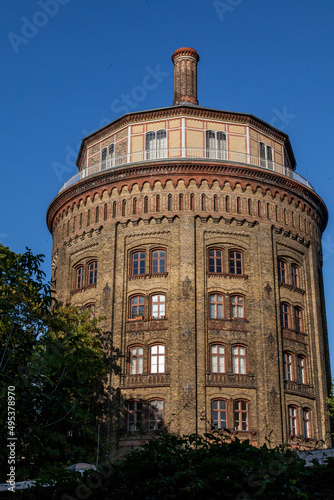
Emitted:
pixel 92 272
pixel 155 415
pixel 301 370
pixel 295 275
pixel 79 274
pixel 239 359
pixel 158 306
pixel 287 360
pixel 306 423
pixel 285 316
pixel 237 307
pixel 293 427
pixel 241 415
pixel 215 261
pixel 282 272
pixel 298 319
pixel 158 261
pixel 219 414
pixel 235 262
pixel 158 358
pixel 217 352
pixel 216 306
pixel 137 306
pixel 138 263
pixel 135 414
pixel 136 360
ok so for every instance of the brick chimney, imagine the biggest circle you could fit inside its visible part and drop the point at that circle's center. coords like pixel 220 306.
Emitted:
pixel 185 75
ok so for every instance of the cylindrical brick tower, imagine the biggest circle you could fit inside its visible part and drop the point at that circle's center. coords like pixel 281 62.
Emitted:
pixel 185 75
pixel 190 231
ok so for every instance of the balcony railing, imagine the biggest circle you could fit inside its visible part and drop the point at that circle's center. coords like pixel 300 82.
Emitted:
pixel 231 379
pixel 297 388
pixel 188 154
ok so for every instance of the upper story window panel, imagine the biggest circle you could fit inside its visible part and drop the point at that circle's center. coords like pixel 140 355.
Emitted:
pixel 217 355
pixel 216 306
pixel 137 304
pixel 138 263
pixel 156 144
pixel 136 360
pixel 158 261
pixel 285 315
pixel 215 261
pixel 92 272
pixel 236 262
pixel 295 275
pixel 79 277
pixel 282 271
pixel 237 306
pixel 215 143
pixel 266 156
pixel 157 358
pixel 158 306
pixel 108 157
pixel 219 414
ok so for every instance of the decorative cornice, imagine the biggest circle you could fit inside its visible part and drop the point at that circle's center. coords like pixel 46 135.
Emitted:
pixel 199 171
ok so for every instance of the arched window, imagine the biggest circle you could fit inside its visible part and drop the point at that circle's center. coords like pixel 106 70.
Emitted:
pixel 227 204
pixel 92 272
pixel 157 203
pixel 104 154
pixel 288 366
pixel 192 201
pixel 293 420
pixel 105 211
pixel 137 304
pixel 219 414
pixel 157 358
pixel 259 210
pixel 169 207
pixel 216 306
pixel 180 201
pixel 217 358
pixel 215 145
pixel 203 202
pixel 80 221
pixel 123 208
pixel 299 327
pixel 88 217
pixel 158 261
pixel 241 415
pixel 74 223
pixel 238 205
pixel 114 209
pixel 158 306
pixel 215 203
pixel 97 214
pixel 268 211
pixel 295 275
pixel 91 308
pixel 301 369
pixel 161 144
pixel 145 204
pixel 282 271
pixel 136 360
pixel 215 261
pixel 236 262
pixel 135 421
pixel 138 263
pixel 306 414
pixel 239 359
pixel 79 277
pixel 155 417
pixel 285 315
pixel 237 306
pixel 134 206
pixel 250 211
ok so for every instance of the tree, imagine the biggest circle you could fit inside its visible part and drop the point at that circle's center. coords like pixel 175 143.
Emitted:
pixel 55 360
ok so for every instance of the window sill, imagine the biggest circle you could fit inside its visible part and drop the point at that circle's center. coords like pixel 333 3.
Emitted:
pixel 290 334
pixel 228 275
pixel 147 276
pixel 83 288
pixel 291 287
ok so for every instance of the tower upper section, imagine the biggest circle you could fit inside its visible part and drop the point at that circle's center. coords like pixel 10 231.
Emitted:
pixel 185 75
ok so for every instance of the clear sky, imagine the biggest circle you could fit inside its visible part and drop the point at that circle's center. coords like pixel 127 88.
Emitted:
pixel 67 65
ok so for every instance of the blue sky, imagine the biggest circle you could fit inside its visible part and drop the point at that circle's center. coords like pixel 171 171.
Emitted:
pixel 66 65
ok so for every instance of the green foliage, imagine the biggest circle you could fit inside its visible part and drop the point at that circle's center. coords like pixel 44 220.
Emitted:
pixel 194 467
pixel 55 360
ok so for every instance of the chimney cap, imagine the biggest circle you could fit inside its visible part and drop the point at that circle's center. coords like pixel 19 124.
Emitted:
pixel 185 51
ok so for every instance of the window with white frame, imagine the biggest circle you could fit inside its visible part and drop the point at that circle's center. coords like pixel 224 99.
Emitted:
pixel 156 144
pixel 266 156
pixel 215 143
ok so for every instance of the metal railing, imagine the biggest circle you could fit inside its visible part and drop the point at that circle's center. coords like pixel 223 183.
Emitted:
pixel 188 154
